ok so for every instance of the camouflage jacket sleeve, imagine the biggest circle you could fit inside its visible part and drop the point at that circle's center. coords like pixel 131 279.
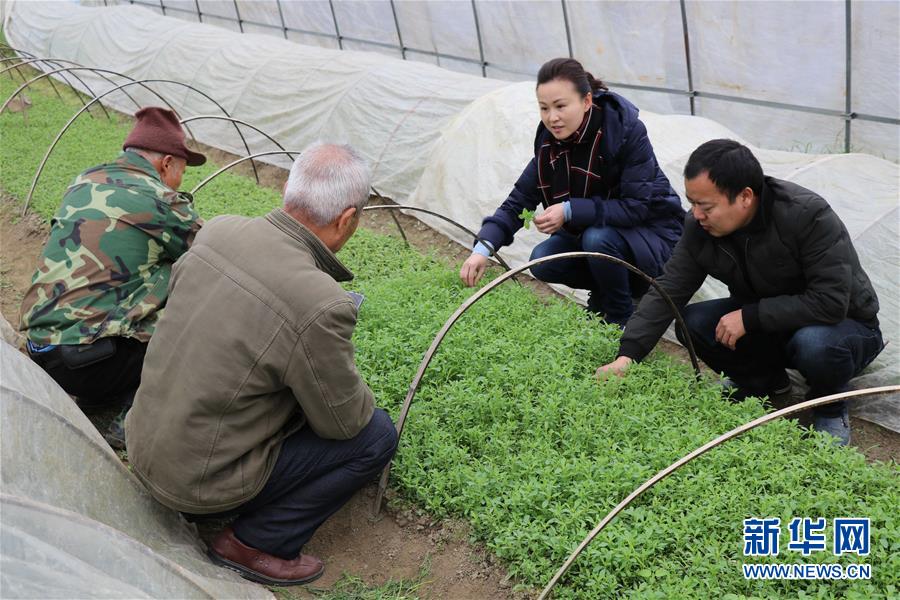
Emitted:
pixel 106 267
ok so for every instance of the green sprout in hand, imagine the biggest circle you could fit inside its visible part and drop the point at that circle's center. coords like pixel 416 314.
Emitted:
pixel 527 216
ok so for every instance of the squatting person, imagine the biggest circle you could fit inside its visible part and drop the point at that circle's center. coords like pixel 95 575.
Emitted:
pixel 602 190
pixel 799 297
pixel 251 403
pixel 103 275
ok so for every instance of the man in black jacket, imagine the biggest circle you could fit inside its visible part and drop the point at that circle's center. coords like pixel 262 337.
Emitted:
pixel 798 295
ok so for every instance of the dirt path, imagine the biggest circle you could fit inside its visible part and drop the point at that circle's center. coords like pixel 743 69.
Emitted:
pixel 402 544
pixel 21 241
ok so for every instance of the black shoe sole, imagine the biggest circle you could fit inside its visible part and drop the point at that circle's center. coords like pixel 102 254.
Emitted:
pixel 259 577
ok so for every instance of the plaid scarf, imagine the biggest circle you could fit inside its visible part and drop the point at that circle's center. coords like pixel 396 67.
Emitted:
pixel 571 166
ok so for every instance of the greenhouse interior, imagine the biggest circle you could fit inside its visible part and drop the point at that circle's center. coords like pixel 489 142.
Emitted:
pixel 526 463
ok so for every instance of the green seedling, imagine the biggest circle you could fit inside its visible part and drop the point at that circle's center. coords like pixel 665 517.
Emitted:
pixel 527 217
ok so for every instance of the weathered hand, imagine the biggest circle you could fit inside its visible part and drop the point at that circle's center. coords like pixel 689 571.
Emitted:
pixel 473 269
pixel 730 329
pixel 551 220
pixel 616 367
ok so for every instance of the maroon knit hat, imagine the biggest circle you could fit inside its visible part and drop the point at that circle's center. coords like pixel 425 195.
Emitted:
pixel 158 129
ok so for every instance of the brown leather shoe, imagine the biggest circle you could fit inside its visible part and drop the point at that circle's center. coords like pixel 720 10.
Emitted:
pixel 229 552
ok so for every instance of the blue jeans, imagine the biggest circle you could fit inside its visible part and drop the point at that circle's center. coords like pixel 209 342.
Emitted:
pixel 609 285
pixel 828 356
pixel 312 478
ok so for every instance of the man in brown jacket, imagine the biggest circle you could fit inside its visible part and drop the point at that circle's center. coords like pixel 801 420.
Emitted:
pixel 250 402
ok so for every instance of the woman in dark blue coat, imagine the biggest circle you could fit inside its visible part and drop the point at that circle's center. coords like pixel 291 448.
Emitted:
pixel 601 188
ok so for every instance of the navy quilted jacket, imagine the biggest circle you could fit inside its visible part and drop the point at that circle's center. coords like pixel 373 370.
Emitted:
pixel 636 193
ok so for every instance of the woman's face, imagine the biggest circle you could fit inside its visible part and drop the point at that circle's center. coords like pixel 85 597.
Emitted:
pixel 562 107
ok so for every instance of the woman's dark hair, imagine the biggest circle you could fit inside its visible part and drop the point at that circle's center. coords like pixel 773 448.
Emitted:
pixel 729 165
pixel 569 69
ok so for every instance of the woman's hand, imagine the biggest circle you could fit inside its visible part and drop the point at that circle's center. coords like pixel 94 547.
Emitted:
pixel 551 220
pixel 473 269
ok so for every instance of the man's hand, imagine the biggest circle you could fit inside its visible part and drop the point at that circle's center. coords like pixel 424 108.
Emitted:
pixel 473 269
pixel 730 329
pixel 616 367
pixel 551 219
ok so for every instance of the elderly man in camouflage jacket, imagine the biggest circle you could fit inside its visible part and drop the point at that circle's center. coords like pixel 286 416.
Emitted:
pixel 103 276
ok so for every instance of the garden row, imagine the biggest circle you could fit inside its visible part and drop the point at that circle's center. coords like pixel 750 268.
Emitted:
pixel 511 431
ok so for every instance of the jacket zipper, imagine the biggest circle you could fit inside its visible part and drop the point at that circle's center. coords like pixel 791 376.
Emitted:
pixel 739 267
pixel 746 272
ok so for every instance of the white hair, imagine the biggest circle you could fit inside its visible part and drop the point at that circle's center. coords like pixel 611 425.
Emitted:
pixel 150 155
pixel 325 180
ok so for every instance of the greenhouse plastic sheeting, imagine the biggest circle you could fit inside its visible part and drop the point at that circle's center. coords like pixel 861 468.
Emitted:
pixel 75 523
pixel 436 139
pixel 769 51
pixel 391 110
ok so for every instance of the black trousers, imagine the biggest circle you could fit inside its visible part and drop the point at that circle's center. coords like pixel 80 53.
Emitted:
pixel 828 356
pixel 312 479
pixel 112 380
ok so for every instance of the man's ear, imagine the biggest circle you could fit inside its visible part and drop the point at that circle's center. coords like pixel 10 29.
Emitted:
pixel 346 218
pixel 746 197
pixel 166 163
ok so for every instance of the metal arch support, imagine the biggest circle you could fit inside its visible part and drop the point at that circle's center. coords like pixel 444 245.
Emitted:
pixel 224 112
pixel 414 386
pixel 9 58
pixel 392 207
pixel 233 122
pixel 399 226
pixel 699 452
pixel 239 121
pixel 141 82
pixel 19 73
pixel 72 120
pixel 52 62
pixel 20 54
pixel 233 163
pixel 23 53
pixel 393 216
pixel 290 153
pixel 462 227
pixel 99 72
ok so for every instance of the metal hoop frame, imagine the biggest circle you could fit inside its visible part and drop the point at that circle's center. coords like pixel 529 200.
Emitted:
pixel 52 62
pixel 389 207
pixel 460 226
pixel 233 163
pixel 99 72
pixel 72 120
pixel 61 61
pixel 238 121
pixel 17 72
pixel 141 82
pixel 417 380
pixel 699 452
